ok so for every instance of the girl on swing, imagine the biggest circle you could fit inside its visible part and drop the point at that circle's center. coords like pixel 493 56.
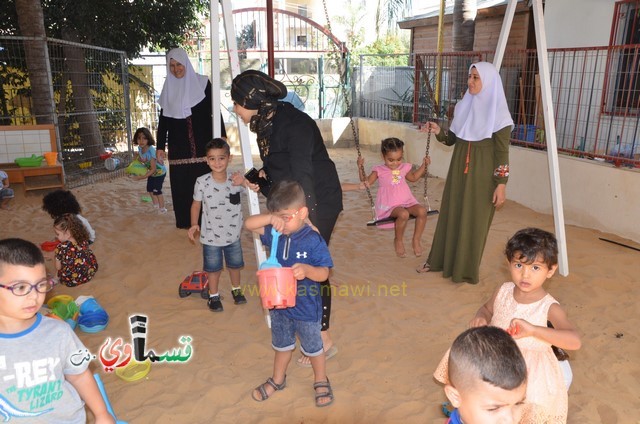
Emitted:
pixel 394 198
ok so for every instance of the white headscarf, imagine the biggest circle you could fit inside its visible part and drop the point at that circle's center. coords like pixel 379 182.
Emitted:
pixel 179 95
pixel 478 116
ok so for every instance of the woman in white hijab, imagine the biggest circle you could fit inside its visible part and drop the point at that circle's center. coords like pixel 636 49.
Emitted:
pixel 185 125
pixel 477 178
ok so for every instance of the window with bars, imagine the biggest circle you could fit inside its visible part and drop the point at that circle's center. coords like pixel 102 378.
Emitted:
pixel 623 63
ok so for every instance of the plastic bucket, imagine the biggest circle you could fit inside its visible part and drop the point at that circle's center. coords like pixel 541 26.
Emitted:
pixel 278 288
pixel 51 158
pixel 111 163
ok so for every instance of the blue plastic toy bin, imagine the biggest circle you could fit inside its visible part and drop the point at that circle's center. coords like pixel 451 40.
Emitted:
pixel 525 133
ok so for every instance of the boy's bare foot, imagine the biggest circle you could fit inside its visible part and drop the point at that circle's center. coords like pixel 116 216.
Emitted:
pixel 399 246
pixel 329 353
pixel 417 248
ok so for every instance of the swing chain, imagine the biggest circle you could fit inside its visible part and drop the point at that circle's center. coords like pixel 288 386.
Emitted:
pixel 426 169
pixel 343 82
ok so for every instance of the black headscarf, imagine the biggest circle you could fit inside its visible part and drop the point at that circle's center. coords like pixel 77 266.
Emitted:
pixel 255 90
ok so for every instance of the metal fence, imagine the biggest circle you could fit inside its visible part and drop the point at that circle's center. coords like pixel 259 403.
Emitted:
pixel 595 94
pixel 89 101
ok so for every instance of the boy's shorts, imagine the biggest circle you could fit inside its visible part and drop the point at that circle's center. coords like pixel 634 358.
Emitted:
pixel 6 193
pixel 212 256
pixel 154 184
pixel 284 330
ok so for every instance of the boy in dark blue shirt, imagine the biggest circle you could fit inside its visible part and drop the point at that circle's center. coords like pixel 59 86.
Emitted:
pixel 305 251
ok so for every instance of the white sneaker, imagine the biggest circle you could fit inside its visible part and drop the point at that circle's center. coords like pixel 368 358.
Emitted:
pixel 163 210
pixel 156 206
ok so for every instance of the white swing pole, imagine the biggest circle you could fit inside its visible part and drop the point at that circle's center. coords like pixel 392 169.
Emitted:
pixel 243 131
pixel 547 107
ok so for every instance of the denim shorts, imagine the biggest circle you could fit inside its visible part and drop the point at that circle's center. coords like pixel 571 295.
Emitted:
pixel 154 184
pixel 6 193
pixel 285 329
pixel 212 256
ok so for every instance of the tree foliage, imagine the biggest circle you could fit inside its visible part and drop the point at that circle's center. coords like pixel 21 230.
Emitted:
pixel 117 24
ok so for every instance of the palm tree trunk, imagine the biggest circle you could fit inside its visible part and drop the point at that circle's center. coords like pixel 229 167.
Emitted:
pixel 76 68
pixel 31 23
pixel 464 29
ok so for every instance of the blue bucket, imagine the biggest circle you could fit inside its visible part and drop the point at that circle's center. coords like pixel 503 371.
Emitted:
pixel 525 133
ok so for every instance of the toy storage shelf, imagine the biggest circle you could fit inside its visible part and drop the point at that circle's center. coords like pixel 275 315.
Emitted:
pixel 35 178
pixel 25 141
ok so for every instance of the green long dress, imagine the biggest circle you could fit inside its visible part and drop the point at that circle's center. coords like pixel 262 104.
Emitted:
pixel 467 204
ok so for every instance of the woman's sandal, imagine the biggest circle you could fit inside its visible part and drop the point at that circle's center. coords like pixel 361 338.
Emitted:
pixel 327 394
pixel 263 392
pixel 424 268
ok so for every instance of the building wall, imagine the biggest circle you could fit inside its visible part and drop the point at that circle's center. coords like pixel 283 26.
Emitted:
pixel 566 22
pixel 488 26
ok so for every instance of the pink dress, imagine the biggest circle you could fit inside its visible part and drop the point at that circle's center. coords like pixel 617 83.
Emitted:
pixel 393 190
pixel 545 385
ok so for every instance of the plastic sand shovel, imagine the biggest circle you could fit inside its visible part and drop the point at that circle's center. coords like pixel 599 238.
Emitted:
pixel 272 261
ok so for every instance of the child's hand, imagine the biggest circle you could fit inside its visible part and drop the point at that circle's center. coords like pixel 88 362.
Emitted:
pixel 192 232
pixel 363 185
pixel 299 271
pixel 478 322
pixel 427 160
pixel 360 161
pixel 106 418
pixel 520 328
pixel 277 223
pixel 237 178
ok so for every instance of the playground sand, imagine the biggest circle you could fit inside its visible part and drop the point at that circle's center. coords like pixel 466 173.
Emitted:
pixel 391 325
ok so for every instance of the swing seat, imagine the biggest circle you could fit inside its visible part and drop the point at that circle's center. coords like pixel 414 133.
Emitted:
pixel 391 219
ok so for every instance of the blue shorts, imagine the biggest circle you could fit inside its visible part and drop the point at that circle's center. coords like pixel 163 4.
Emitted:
pixel 6 193
pixel 284 330
pixel 154 184
pixel 212 256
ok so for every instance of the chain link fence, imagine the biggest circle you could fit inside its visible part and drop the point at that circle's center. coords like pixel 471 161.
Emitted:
pixel 85 91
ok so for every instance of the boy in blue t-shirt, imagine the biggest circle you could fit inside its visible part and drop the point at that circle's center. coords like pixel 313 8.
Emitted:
pixel 305 251
pixel 487 379
pixel 6 193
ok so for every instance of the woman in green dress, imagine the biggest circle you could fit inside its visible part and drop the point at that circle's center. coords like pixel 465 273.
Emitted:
pixel 477 178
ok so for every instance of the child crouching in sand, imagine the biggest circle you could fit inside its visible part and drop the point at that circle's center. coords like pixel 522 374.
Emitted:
pixel 305 251
pixel 75 262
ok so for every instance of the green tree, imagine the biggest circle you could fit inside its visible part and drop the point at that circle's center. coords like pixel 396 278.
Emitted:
pixel 117 24
pixel 351 21
pixel 388 12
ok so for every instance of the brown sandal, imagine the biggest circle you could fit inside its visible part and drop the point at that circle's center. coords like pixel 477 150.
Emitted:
pixel 263 392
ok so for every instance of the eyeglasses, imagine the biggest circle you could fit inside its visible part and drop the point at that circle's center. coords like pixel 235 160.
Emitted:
pixel 288 217
pixel 23 288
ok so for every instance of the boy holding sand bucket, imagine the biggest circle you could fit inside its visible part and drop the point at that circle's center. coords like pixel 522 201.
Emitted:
pixel 305 252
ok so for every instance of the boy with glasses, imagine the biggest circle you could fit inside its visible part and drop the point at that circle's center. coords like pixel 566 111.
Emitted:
pixel 41 378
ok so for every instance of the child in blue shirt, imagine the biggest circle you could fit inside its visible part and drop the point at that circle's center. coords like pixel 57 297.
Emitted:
pixel 6 193
pixel 305 251
pixel 487 379
pixel 156 170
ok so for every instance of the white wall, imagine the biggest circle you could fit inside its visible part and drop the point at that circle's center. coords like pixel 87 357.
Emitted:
pixel 578 23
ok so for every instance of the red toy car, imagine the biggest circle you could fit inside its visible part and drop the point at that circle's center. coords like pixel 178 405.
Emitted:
pixel 197 282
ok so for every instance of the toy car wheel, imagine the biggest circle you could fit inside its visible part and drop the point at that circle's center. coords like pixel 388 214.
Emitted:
pixel 183 293
pixel 204 294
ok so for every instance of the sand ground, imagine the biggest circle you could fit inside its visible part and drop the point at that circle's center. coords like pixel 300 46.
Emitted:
pixel 391 325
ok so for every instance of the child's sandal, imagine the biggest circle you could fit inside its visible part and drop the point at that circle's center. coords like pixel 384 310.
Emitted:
pixel 327 394
pixel 263 392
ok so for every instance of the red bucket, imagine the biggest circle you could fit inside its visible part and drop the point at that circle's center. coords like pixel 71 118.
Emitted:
pixel 278 288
